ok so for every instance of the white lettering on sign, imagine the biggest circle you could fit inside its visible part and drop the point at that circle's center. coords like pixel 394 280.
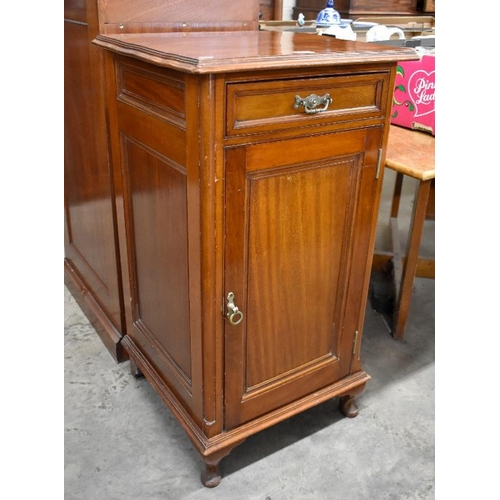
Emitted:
pixel 421 86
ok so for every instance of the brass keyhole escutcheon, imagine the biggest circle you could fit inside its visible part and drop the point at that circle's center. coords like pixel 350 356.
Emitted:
pixel 234 315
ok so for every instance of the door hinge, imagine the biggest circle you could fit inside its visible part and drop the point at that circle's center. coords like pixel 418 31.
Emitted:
pixel 379 163
pixel 355 341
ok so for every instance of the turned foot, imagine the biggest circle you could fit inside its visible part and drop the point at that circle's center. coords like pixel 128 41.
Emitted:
pixel 211 476
pixel 348 407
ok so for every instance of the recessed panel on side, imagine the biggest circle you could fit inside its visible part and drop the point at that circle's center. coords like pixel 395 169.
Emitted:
pixel 158 234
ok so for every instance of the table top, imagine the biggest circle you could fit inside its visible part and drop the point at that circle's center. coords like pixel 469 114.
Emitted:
pixel 411 152
pixel 220 52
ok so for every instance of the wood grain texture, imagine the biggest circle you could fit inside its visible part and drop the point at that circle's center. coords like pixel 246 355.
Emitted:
pixel 91 253
pixel 295 203
pixel 159 227
pixel 76 10
pixel 411 152
pixel 282 217
pixel 256 106
pixel 355 8
pixel 378 6
pixel 220 185
pixel 124 11
pixel 247 50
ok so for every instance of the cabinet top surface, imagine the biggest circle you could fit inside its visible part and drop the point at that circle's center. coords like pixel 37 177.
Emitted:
pixel 216 52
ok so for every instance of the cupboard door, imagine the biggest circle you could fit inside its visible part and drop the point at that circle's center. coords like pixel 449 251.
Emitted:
pixel 293 209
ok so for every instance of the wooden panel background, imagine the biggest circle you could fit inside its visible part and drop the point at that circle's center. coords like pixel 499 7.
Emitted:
pixel 114 11
pixel 356 8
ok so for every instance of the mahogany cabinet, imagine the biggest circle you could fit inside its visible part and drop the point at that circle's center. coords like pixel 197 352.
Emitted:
pixel 247 175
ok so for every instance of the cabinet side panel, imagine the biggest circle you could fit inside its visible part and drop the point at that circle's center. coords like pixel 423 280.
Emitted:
pixel 157 190
pixel 154 199
pixel 150 108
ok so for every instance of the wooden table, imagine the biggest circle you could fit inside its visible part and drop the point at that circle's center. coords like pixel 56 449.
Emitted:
pixel 409 153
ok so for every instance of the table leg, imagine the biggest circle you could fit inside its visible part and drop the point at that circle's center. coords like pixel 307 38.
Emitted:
pixel 403 299
pixel 396 197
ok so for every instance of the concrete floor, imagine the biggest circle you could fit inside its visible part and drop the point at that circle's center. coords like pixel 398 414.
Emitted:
pixel 122 443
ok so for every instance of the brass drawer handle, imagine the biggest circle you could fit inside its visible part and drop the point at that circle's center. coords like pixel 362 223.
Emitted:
pixel 234 315
pixel 312 102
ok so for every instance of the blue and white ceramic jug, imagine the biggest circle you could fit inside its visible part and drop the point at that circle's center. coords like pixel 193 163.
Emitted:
pixel 328 16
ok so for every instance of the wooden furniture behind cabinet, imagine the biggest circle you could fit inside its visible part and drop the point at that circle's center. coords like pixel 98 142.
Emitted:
pixel 91 266
pixel 247 169
pixel 271 9
pixel 410 153
pixel 352 9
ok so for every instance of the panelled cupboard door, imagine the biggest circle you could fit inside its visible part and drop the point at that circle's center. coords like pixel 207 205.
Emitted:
pixel 295 211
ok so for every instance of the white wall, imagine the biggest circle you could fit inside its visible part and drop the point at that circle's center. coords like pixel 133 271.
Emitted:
pixel 288 6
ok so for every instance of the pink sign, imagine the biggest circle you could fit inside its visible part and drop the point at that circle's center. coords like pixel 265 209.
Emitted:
pixel 414 95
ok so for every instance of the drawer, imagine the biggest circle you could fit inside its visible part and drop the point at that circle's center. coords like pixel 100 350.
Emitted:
pixel 264 106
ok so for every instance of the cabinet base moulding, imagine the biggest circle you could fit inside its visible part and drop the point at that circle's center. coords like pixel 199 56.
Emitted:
pixel 212 450
pixel 106 330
